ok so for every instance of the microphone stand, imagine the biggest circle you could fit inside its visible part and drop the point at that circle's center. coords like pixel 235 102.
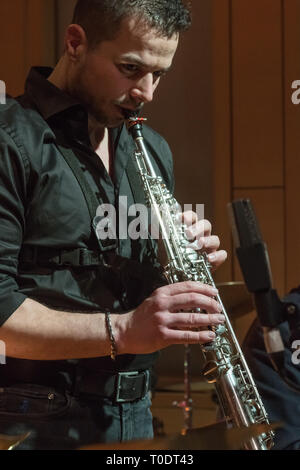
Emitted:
pixel 187 403
pixel 254 261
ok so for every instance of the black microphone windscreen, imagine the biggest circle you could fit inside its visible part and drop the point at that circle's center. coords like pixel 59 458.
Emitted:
pixel 245 228
pixel 251 250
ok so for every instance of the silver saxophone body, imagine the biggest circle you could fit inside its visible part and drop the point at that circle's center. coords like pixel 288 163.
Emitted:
pixel 225 365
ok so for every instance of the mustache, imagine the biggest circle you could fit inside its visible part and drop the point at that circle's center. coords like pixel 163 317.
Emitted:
pixel 139 107
pixel 131 106
pixel 131 111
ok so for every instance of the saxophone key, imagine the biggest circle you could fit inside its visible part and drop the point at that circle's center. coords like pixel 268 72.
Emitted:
pixel 211 372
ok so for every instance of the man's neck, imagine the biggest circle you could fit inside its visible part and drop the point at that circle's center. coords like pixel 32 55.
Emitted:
pixel 97 133
pixel 59 78
pixel 100 144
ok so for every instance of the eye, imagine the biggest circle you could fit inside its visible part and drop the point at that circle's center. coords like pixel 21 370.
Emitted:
pixel 159 74
pixel 129 69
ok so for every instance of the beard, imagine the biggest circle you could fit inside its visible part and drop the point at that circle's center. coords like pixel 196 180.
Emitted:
pixel 95 109
pixel 107 114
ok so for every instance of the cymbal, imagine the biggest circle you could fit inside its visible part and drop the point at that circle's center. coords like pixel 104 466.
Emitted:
pixel 236 298
pixel 213 437
pixel 175 386
pixel 11 442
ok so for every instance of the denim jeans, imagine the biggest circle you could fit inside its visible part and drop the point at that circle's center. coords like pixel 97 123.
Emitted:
pixel 58 421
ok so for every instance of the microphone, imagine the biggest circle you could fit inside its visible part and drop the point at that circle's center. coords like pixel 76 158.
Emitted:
pixel 254 261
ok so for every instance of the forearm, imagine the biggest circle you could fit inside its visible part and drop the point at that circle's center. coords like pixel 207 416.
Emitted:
pixel 39 333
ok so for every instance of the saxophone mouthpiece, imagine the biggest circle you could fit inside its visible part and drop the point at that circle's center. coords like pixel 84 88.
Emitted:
pixel 133 121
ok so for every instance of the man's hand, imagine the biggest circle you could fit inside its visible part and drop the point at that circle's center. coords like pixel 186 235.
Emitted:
pixel 199 233
pixel 165 318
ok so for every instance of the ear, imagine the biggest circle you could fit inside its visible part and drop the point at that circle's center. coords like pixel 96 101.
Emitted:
pixel 75 42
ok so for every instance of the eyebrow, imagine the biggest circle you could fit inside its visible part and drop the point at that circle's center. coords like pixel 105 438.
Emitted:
pixel 136 61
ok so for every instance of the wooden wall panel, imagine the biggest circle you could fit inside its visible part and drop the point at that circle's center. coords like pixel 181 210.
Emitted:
pixel 260 129
pixel 12 33
pixel 40 33
pixel 222 151
pixel 292 142
pixel 257 99
pixel 27 38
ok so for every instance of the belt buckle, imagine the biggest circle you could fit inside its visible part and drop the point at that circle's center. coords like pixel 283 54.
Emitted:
pixel 146 374
pixel 70 258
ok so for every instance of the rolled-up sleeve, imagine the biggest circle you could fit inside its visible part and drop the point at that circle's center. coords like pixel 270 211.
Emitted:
pixel 12 221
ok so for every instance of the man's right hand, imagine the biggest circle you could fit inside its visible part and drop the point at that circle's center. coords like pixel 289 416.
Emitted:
pixel 164 318
pixel 36 332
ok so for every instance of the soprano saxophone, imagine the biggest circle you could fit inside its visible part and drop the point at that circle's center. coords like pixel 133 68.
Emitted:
pixel 225 365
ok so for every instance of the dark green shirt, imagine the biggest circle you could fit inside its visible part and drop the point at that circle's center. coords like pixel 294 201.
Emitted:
pixel 42 205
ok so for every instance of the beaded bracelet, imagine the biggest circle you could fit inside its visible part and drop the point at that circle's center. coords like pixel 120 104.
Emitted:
pixel 113 346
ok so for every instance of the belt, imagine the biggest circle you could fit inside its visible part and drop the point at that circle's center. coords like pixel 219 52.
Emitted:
pixel 120 387
pixel 77 380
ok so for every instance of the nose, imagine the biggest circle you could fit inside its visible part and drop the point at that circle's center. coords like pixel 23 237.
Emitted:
pixel 143 90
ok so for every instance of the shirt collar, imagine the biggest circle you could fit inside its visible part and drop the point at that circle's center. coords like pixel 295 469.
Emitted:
pixel 48 99
pixel 53 103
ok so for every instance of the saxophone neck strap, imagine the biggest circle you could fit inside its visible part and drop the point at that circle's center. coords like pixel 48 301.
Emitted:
pixel 91 200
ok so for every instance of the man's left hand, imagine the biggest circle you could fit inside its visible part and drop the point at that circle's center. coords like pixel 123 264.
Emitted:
pixel 199 232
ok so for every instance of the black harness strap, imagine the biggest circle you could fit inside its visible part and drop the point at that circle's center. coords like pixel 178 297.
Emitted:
pixel 92 202
pixel 47 256
pixel 72 161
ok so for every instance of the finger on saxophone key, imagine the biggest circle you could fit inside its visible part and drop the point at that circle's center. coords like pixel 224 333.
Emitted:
pixel 214 291
pixel 205 319
pixel 217 306
pixel 211 336
pixel 215 319
pixel 220 319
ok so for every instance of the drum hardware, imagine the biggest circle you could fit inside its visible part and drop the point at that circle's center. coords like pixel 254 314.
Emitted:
pixel 213 437
pixel 11 442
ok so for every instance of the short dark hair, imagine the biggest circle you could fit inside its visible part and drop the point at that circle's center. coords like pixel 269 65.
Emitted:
pixel 101 19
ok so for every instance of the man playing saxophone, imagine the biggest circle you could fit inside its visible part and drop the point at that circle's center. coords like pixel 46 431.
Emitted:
pixel 82 320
